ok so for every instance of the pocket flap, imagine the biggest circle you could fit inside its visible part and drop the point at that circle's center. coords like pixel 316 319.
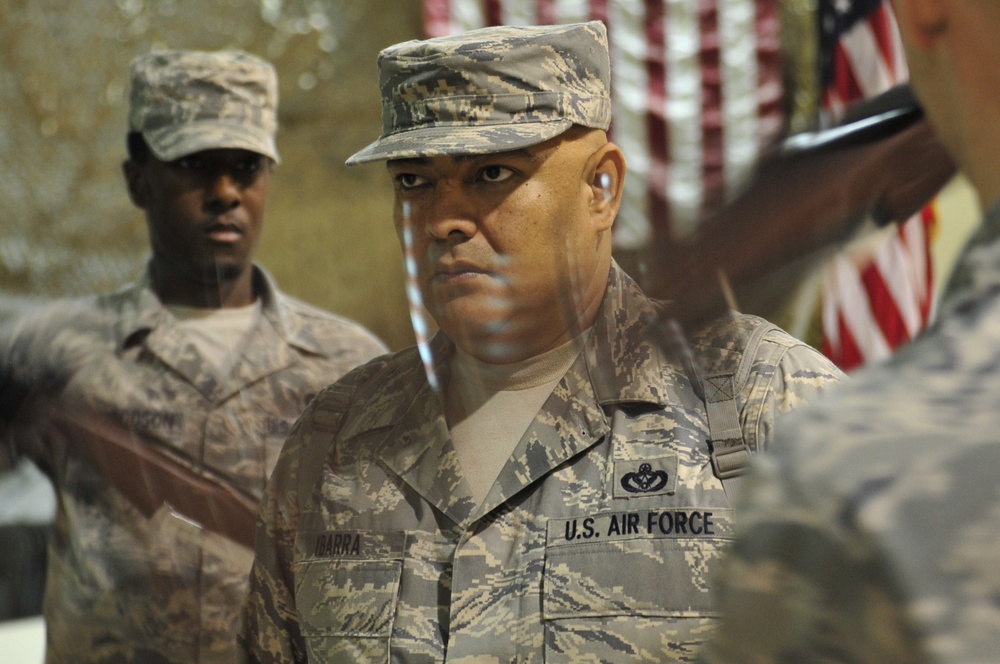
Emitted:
pixel 597 569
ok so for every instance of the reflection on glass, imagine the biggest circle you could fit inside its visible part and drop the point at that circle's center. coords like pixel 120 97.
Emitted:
pixel 418 313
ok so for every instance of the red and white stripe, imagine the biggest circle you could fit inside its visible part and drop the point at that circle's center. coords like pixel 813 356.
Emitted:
pixel 697 94
pixel 874 304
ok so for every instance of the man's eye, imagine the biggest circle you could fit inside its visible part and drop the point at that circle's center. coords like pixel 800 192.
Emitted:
pixel 190 163
pixel 251 164
pixel 409 180
pixel 495 173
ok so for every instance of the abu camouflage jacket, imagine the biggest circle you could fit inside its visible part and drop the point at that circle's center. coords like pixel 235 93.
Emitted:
pixel 121 587
pixel 597 542
pixel 872 534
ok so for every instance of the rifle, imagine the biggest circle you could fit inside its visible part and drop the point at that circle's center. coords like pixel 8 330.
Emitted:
pixel 150 478
pixel 139 468
pixel 811 193
pixel 808 196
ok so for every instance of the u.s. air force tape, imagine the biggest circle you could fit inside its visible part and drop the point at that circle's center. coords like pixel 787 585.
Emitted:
pixel 676 523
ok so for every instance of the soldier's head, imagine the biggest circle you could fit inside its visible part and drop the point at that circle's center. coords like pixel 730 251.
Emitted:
pixel 953 52
pixel 201 149
pixel 506 184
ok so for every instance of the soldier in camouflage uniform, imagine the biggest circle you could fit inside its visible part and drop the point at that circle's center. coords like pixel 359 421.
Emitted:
pixel 165 360
pixel 873 533
pixel 554 500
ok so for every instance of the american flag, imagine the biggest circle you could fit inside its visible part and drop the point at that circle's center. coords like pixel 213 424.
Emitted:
pixel 699 94
pixel 876 300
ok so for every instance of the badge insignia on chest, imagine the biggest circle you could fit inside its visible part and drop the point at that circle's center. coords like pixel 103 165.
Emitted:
pixel 644 480
pixel 648 477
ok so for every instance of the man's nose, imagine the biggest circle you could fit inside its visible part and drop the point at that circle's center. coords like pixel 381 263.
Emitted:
pixel 223 192
pixel 451 214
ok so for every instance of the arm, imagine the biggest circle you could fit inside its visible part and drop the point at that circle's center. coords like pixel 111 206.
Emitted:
pixel 270 629
pixel 269 620
pixel 26 368
pixel 786 374
pixel 804 582
pixel 42 347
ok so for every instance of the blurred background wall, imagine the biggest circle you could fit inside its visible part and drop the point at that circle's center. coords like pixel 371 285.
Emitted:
pixel 67 226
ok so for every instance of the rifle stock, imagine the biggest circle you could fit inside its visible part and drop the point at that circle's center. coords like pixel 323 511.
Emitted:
pixel 150 479
pixel 805 199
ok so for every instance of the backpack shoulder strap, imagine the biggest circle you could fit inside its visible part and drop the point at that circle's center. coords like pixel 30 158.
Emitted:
pixel 723 381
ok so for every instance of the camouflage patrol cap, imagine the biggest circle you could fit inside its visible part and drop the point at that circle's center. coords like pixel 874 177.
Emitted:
pixel 184 102
pixel 491 90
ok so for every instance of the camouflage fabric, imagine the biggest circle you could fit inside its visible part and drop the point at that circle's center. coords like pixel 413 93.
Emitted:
pixel 596 543
pixel 873 534
pixel 184 102
pixel 121 587
pixel 491 90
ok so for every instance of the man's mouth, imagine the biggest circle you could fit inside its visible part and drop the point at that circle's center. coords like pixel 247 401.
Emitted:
pixel 455 271
pixel 224 233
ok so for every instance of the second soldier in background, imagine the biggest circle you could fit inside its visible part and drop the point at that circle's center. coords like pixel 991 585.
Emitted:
pixel 202 361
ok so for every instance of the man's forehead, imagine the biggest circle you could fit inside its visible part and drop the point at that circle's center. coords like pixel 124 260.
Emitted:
pixel 223 154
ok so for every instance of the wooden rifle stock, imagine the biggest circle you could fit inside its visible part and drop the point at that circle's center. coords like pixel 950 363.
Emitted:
pixel 149 478
pixel 808 196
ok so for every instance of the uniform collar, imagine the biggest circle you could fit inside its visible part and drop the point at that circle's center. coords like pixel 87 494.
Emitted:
pixel 624 354
pixel 622 359
pixel 142 312
pixel 619 364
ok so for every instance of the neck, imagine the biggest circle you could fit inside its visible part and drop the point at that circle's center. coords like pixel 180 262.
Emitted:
pixel 217 290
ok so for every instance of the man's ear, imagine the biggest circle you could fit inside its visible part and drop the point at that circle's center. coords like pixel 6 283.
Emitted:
pixel 606 179
pixel 135 182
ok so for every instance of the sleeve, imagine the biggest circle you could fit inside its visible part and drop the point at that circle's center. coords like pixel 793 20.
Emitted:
pixel 20 374
pixel 42 345
pixel 804 581
pixel 785 375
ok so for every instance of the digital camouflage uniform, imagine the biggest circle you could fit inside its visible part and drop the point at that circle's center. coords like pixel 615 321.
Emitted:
pixel 873 534
pixel 121 587
pixel 596 543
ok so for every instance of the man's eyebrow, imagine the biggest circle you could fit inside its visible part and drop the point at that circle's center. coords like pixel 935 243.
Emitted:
pixel 415 161
pixel 464 158
pixel 522 153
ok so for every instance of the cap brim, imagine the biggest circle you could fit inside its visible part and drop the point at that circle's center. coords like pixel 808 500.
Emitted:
pixel 459 140
pixel 170 143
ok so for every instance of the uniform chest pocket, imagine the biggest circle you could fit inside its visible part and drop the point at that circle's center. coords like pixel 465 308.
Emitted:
pixel 623 584
pixel 347 597
pixel 346 591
